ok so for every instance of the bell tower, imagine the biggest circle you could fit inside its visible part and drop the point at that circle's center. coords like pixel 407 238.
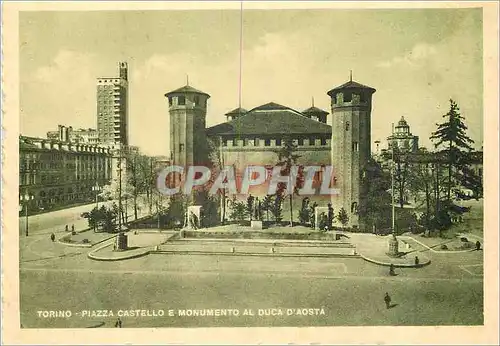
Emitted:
pixel 351 105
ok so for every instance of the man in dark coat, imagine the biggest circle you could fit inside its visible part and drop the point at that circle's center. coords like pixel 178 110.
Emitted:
pixel 478 245
pixel 53 237
pixel 387 300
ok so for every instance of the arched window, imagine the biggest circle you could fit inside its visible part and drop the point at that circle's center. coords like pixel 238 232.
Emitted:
pixel 354 207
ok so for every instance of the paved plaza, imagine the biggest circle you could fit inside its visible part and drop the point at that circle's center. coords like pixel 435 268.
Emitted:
pixel 349 291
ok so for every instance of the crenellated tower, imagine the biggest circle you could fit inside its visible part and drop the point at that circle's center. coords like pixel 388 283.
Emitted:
pixel 351 105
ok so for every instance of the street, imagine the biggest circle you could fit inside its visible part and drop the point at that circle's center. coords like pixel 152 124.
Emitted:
pixel 349 290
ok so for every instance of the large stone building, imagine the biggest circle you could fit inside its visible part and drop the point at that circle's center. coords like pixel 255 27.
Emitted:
pixel 255 137
pixel 60 173
pixel 112 107
pixel 67 133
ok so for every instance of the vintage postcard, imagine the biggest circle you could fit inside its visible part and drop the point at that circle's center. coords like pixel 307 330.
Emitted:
pixel 250 172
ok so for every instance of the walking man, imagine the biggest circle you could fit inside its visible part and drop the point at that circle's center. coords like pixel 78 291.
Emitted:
pixel 478 245
pixel 53 237
pixel 417 261
pixel 387 300
pixel 391 270
pixel 118 323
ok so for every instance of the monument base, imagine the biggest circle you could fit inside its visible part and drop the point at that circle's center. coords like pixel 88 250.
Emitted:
pixel 257 225
pixel 121 242
pixel 393 247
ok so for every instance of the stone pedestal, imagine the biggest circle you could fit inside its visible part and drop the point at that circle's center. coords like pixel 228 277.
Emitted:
pixel 193 217
pixel 257 225
pixel 121 242
pixel 393 247
pixel 317 212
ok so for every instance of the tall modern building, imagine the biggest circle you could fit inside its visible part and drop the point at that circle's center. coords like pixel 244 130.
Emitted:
pixel 112 108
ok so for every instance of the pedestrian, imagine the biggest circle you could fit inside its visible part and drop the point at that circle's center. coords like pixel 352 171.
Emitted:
pixel 387 300
pixel 478 245
pixel 72 228
pixel 391 270
pixel 66 228
pixel 53 237
pixel 118 323
pixel 417 261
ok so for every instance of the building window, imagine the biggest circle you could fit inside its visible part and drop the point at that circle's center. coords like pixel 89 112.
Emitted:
pixel 355 146
pixel 196 100
pixel 312 141
pixel 245 142
pixel 354 207
pixel 267 142
pixel 181 100
pixel 256 142
pixel 181 148
pixel 300 141
pixel 278 141
pixel 224 142
pixel 235 142
pixel 323 141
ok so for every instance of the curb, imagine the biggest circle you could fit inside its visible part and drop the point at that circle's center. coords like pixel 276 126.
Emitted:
pixel 396 265
pixel 84 245
pixel 165 252
pixel 100 258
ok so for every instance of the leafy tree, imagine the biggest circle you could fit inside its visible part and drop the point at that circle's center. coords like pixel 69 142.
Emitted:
pixel 287 160
pixel 343 217
pixel 238 210
pixel 375 202
pixel 277 208
pixel 304 213
pixel 267 205
pixel 250 207
pixel 452 138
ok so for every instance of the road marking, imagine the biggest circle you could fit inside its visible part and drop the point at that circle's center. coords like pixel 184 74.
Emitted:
pixel 465 266
pixel 431 249
pixel 325 275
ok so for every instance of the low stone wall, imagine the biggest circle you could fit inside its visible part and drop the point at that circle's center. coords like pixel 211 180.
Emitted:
pixel 259 235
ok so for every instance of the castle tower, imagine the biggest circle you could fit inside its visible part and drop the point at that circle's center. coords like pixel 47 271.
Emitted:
pixel 188 109
pixel 351 138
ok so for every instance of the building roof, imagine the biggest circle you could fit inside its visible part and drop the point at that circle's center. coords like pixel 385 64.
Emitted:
pixel 239 111
pixel 351 85
pixel 314 110
pixel 187 89
pixel 269 119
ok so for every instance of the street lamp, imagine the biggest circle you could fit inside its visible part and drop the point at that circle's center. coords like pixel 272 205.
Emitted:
pixel 96 189
pixel 393 242
pixel 26 198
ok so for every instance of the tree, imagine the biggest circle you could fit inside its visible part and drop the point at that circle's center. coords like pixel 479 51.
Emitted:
pixel 304 213
pixel 452 138
pixel 238 210
pixel 375 200
pixel 277 208
pixel 287 160
pixel 249 206
pixel 343 217
pixel 267 205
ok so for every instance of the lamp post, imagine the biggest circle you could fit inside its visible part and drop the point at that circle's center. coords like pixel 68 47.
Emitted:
pixel 96 189
pixel 393 242
pixel 26 198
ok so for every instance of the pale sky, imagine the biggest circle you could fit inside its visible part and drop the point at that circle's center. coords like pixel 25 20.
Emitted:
pixel 416 59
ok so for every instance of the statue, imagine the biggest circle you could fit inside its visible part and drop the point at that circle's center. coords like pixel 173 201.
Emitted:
pixel 330 216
